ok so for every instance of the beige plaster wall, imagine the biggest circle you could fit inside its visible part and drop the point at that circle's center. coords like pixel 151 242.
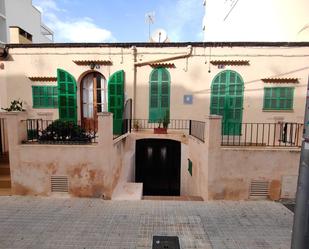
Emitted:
pixel 231 169
pixel 190 76
pixel 92 170
pixel 230 179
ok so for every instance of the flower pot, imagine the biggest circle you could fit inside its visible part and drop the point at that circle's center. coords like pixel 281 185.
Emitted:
pixel 160 130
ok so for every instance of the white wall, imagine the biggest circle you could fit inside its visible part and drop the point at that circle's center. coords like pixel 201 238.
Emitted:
pixel 23 14
pixel 250 20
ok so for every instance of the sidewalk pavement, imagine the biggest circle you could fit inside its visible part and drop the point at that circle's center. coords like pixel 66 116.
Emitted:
pixel 41 223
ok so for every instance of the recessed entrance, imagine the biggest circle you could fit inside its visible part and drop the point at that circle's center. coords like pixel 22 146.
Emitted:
pixel 158 166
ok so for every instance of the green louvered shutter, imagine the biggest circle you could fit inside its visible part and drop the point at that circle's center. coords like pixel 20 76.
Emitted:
pixel 159 95
pixel 227 101
pixel 67 103
pixel 116 99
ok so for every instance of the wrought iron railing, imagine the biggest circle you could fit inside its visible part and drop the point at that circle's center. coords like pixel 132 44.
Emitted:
pixel 262 134
pixel 3 145
pixel 174 124
pixel 197 129
pixel 126 128
pixel 51 132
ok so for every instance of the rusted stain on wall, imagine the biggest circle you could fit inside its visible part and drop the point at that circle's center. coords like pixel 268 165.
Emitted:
pixel 85 182
pixel 275 190
pixel 230 189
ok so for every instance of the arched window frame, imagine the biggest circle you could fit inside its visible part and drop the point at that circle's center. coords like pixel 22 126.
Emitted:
pixel 159 94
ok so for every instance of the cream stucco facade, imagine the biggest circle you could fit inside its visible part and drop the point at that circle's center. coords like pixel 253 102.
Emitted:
pixel 218 172
pixel 190 76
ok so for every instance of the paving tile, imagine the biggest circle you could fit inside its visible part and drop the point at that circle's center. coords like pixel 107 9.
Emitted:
pixel 48 223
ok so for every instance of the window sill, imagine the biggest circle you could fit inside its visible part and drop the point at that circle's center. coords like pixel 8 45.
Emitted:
pixel 35 107
pixel 268 110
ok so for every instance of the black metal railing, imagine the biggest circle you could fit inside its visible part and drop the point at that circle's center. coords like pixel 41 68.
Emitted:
pixel 174 124
pixel 197 129
pixel 126 128
pixel 3 148
pixel 49 131
pixel 262 134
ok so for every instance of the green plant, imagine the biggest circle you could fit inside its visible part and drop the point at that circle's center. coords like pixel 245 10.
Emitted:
pixel 166 120
pixel 64 131
pixel 16 105
pixel 136 125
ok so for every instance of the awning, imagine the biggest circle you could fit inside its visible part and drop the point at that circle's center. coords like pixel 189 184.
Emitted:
pixel 281 80
pixel 230 62
pixel 94 62
pixel 43 78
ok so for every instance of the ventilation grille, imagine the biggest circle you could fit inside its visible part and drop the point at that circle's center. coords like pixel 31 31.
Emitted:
pixel 259 189
pixel 59 184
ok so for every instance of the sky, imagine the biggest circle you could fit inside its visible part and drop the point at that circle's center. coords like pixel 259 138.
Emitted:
pixel 121 20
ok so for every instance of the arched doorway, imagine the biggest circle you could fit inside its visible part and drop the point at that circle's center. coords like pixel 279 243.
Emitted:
pixel 227 100
pixel 93 99
pixel 158 166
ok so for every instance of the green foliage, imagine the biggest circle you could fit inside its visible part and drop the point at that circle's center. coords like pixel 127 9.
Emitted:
pixel 16 105
pixel 166 119
pixel 61 130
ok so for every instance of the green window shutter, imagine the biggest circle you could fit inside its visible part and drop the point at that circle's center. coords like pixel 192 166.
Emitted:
pixel 227 100
pixel 66 91
pixel 44 97
pixel 278 98
pixel 159 94
pixel 116 99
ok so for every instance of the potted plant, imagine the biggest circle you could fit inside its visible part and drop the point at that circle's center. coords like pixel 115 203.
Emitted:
pixel 165 122
pixel 135 125
pixel 16 106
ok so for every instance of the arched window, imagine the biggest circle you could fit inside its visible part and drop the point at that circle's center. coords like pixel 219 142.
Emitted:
pixel 159 94
pixel 227 100
pixel 93 97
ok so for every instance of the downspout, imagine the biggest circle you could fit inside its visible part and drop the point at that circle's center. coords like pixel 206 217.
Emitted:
pixel 134 53
pixel 186 55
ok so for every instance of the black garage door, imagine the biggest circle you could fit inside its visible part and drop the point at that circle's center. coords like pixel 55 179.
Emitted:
pixel 158 166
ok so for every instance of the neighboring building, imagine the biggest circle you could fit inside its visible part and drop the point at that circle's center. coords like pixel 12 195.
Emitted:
pixel 263 20
pixel 258 88
pixel 20 22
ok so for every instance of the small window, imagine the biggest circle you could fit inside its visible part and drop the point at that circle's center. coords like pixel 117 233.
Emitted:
pixel 278 98
pixel 45 96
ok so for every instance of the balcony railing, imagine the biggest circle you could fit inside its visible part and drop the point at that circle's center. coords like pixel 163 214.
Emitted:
pixel 262 134
pixel 197 129
pixel 49 131
pixel 174 124
pixel 126 128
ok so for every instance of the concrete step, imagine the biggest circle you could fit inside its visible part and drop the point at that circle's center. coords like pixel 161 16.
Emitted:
pixel 5 191
pixel 129 191
pixel 5 181
pixel 172 198
pixel 4 170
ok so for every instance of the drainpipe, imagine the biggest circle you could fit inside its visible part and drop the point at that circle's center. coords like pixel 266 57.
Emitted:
pixel 186 55
pixel 134 53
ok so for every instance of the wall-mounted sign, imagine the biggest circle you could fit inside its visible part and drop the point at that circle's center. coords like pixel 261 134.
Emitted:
pixel 188 99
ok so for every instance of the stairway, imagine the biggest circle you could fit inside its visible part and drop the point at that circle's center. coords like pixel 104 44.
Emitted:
pixel 5 176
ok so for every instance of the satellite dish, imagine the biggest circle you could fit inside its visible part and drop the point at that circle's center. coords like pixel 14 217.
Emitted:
pixel 159 35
